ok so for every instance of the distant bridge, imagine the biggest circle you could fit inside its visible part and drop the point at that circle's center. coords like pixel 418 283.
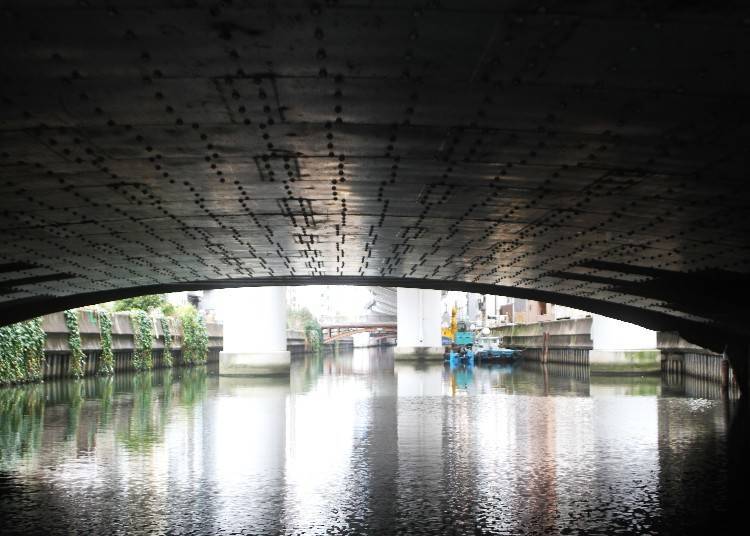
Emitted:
pixel 336 331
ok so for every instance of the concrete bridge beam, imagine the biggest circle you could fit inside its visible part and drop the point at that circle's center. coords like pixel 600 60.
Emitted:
pixel 418 324
pixel 254 332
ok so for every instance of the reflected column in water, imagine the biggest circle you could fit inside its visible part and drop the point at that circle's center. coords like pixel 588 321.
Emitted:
pixel 248 431
pixel 420 443
pixel 327 435
pixel 379 453
pixel 692 448
pixel 541 441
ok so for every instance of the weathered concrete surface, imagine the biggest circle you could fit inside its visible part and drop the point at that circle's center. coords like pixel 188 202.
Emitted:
pixel 122 332
pixel 592 154
pixel 57 347
pixel 428 353
pixel 296 342
pixel 670 341
pixel 255 363
pixel 565 339
pixel 625 362
pixel 418 320
pixel 680 356
pixel 254 332
pixel 570 333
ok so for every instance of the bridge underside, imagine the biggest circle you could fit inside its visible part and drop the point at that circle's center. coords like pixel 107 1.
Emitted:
pixel 591 154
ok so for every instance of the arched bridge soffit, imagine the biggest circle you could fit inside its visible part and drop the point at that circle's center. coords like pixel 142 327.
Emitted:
pixel 589 149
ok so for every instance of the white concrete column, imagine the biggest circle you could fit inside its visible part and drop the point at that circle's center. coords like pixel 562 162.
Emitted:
pixel 622 347
pixel 418 324
pixel 254 331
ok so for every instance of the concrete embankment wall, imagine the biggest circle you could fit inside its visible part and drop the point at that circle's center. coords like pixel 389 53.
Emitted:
pixel 57 347
pixel 295 342
pixel 679 357
pixel 557 341
pixel 570 341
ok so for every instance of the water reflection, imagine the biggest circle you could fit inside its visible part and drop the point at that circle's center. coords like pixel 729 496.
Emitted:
pixel 360 444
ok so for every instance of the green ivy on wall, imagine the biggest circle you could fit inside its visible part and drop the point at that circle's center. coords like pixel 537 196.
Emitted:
pixel 106 363
pixel 34 339
pixel 22 351
pixel 143 340
pixel 22 345
pixel 167 358
pixel 194 338
pixel 77 357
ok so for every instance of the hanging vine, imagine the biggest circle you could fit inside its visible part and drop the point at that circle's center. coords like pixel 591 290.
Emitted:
pixel 22 351
pixel 11 355
pixel 194 338
pixel 143 338
pixel 107 360
pixel 77 357
pixel 314 335
pixel 167 358
pixel 34 338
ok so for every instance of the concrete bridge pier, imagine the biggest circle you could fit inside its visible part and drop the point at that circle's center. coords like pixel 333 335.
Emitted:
pixel 254 332
pixel 738 354
pixel 418 324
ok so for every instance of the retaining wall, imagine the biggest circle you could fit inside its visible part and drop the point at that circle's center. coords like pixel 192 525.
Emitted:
pixel 556 341
pixel 570 342
pixel 678 356
pixel 57 348
pixel 295 342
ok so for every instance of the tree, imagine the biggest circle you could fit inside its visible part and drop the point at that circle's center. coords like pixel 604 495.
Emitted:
pixel 298 318
pixel 303 319
pixel 150 302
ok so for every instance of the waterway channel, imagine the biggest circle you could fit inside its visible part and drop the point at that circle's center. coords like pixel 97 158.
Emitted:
pixel 358 444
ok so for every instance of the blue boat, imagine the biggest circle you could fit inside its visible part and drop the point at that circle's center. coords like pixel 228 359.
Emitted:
pixel 465 355
pixel 490 349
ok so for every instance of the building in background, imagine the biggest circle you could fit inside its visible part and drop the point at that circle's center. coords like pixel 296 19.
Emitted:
pixel 521 311
pixel 487 310
pixel 178 299
pixel 478 309
pixel 613 340
pixel 292 299
pixel 336 303
pixel 206 301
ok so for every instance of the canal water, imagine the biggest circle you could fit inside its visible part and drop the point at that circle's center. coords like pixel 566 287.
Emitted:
pixel 358 444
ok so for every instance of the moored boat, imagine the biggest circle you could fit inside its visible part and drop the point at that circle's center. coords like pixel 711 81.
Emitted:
pixel 491 349
pixel 463 355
